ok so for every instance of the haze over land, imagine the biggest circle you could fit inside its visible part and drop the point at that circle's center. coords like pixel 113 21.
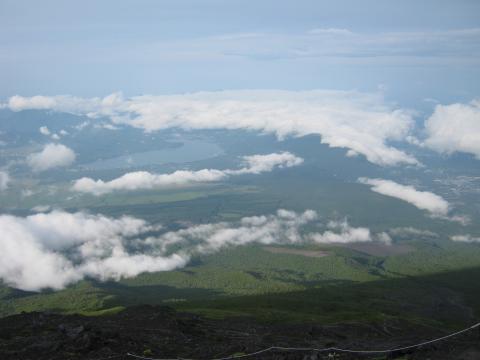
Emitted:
pixel 292 162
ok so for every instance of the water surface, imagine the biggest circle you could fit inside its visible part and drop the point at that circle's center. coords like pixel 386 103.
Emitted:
pixel 191 150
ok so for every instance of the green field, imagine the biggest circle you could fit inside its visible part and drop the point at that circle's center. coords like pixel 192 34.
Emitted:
pixel 436 282
pixel 427 279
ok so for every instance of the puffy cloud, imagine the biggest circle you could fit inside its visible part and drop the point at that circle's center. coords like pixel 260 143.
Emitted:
pixel 82 125
pixel 52 155
pixel 18 103
pixel 465 238
pixel 4 180
pixel 347 234
pixel 55 249
pixel 254 164
pixel 454 128
pixel 285 227
pixel 424 200
pixel 145 180
pixel 27 192
pixel 52 250
pixel 461 219
pixel 44 130
pixel 64 103
pixel 359 122
pixel 281 228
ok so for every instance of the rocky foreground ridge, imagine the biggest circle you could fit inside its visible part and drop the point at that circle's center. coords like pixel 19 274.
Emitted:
pixel 162 333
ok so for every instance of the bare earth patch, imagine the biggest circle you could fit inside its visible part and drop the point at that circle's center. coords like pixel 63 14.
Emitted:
pixel 307 253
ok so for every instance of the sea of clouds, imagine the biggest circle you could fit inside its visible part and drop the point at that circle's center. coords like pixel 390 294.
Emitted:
pixel 57 248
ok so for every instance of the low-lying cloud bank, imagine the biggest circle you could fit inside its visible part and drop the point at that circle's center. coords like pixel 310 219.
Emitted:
pixel 52 156
pixel 424 200
pixel 363 123
pixel 360 122
pixel 52 250
pixel 408 232
pixel 254 164
pixel 454 128
pixel 347 234
pixel 465 238
pixel 55 249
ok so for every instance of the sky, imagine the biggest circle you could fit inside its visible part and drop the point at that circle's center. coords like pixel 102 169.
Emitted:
pixel 416 52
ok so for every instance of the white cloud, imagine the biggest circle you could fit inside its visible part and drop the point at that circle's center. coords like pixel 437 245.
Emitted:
pixel 27 192
pixel 330 31
pixel 461 219
pixel 18 103
pixel 281 228
pixel 55 249
pixel 107 126
pixel 145 180
pixel 4 180
pixel 52 155
pixel 52 250
pixel 41 208
pixel 424 200
pixel 360 122
pixel 324 45
pixel 64 103
pixel 82 125
pixel 338 45
pixel 254 164
pixel 453 128
pixel 465 238
pixel 411 231
pixel 347 234
pixel 44 130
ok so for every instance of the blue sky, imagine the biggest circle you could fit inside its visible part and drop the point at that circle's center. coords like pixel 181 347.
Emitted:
pixel 412 50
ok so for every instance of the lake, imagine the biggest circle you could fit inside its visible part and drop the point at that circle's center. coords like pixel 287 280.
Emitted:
pixel 191 150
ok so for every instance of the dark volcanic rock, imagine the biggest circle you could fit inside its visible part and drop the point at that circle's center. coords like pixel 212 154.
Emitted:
pixel 160 332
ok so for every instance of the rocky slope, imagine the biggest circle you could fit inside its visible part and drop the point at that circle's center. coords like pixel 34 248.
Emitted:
pixel 161 332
